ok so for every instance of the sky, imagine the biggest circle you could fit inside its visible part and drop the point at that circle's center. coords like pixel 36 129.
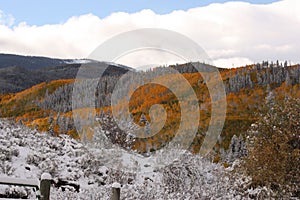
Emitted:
pixel 36 12
pixel 233 33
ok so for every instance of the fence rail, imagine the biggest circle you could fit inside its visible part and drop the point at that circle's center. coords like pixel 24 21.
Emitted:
pixel 20 182
pixel 42 187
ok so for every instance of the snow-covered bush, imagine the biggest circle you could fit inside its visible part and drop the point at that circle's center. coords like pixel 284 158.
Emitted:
pixel 18 192
pixel 34 159
pixel 6 168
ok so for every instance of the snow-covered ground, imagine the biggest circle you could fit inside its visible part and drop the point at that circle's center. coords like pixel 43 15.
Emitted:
pixel 78 61
pixel 27 154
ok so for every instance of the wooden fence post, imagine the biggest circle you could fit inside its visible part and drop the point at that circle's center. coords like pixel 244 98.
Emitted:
pixel 45 186
pixel 116 190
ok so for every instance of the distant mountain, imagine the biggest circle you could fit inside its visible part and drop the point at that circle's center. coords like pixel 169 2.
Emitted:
pixel 18 73
pixel 35 62
pixel 14 79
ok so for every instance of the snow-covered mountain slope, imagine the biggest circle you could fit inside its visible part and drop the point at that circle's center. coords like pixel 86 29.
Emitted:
pixel 27 153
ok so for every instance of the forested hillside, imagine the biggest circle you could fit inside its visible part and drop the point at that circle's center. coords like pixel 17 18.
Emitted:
pixel 48 106
pixel 258 99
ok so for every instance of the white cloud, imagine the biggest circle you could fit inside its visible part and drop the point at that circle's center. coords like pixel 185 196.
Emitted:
pixel 231 33
pixel 232 62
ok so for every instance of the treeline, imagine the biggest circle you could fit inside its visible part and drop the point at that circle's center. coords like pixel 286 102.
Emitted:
pixel 235 80
pixel 261 74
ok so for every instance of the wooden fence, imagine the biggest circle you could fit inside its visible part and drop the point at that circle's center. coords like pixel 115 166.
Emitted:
pixel 42 187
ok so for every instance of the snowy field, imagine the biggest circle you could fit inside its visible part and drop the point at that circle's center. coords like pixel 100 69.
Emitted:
pixel 26 154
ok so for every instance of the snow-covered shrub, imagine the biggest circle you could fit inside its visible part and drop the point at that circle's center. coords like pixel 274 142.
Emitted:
pixel 146 190
pixel 34 159
pixel 120 176
pixel 6 168
pixel 15 151
pixel 5 154
pixel 92 193
pixel 49 166
pixel 19 192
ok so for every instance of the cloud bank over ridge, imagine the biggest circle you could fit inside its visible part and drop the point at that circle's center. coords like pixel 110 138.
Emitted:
pixel 233 33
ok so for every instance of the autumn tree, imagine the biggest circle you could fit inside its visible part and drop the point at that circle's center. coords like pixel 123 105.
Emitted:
pixel 274 148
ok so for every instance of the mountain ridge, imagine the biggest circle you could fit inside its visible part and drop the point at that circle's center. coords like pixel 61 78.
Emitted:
pixel 32 62
pixel 18 73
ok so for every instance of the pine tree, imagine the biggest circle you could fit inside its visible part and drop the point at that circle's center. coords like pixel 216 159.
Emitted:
pixel 236 149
